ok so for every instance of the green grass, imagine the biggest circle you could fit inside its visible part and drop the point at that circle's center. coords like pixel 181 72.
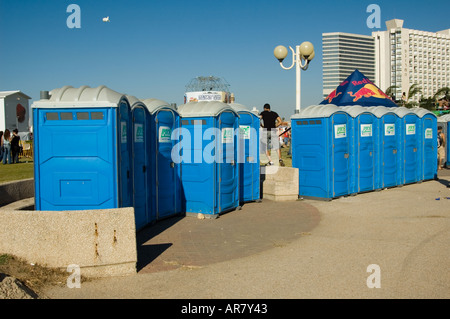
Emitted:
pixel 4 259
pixel 287 159
pixel 14 172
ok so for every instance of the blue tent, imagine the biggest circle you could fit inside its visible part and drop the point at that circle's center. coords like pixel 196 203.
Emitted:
pixel 357 89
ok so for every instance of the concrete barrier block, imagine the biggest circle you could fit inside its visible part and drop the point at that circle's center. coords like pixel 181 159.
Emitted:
pixel 102 242
pixel 279 183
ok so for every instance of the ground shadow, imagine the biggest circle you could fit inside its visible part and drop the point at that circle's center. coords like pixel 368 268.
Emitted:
pixel 147 253
pixel 443 177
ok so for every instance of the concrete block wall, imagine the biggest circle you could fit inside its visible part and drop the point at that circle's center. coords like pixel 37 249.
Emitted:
pixel 279 183
pixel 14 191
pixel 101 242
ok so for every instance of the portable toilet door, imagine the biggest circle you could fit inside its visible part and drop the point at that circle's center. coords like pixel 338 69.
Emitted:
pixel 411 146
pixel 125 154
pixel 82 158
pixel 248 154
pixel 208 154
pixel 389 147
pixel 444 122
pixel 321 150
pixel 142 186
pixel 341 154
pixel 365 141
pixel 166 185
pixel 428 150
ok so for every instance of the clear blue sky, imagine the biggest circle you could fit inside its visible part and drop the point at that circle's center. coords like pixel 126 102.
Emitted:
pixel 152 49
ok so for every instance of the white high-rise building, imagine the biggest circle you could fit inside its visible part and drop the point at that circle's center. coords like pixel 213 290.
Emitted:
pixel 405 57
pixel 342 54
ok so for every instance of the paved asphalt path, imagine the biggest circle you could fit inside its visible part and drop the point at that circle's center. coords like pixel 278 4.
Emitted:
pixel 398 238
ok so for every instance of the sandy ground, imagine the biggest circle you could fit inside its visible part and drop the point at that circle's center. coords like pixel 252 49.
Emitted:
pixel 404 231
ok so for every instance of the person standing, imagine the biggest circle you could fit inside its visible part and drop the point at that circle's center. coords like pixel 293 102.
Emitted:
pixel 270 120
pixel 15 146
pixel 441 148
pixel 1 145
pixel 6 144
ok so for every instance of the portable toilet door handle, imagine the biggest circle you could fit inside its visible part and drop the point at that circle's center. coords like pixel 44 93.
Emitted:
pixel 346 155
pixel 394 151
pixel 172 164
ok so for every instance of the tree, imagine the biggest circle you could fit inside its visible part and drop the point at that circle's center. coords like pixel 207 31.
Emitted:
pixel 427 103
pixel 391 90
pixel 442 92
pixel 413 90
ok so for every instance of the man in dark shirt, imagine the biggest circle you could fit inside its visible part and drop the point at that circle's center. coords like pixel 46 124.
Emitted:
pixel 270 120
pixel 15 146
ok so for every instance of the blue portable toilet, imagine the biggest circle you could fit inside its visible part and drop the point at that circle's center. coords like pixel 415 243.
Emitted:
pixel 322 151
pixel 364 143
pixel 410 123
pixel 142 174
pixel 428 146
pixel 208 154
pixel 389 147
pixel 165 172
pixel 444 121
pixel 248 154
pixel 82 149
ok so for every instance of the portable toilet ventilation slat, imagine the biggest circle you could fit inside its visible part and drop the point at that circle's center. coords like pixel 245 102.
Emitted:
pixel 208 155
pixel 82 150
pixel 322 151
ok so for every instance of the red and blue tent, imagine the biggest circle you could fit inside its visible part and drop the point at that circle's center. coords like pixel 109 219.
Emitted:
pixel 357 89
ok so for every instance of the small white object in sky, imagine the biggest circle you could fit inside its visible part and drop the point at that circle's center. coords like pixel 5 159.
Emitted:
pixel 106 19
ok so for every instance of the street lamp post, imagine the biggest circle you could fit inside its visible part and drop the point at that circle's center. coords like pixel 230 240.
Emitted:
pixel 301 58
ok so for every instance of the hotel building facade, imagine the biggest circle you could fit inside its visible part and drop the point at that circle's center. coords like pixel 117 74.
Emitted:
pixel 397 57
pixel 342 54
pixel 405 57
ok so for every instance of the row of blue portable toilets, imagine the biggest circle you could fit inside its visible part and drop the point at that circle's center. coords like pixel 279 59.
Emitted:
pixel 347 150
pixel 97 149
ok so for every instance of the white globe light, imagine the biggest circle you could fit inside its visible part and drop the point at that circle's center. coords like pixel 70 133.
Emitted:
pixel 306 49
pixel 280 53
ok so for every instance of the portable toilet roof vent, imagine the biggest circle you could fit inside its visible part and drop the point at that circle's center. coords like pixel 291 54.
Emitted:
pixel 421 112
pixel 444 118
pixel 317 111
pixel 402 111
pixel 153 105
pixel 84 96
pixel 204 109
pixel 355 110
pixel 241 108
pixel 379 111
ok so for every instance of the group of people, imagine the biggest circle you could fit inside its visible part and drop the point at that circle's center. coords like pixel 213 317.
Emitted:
pixel 9 146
